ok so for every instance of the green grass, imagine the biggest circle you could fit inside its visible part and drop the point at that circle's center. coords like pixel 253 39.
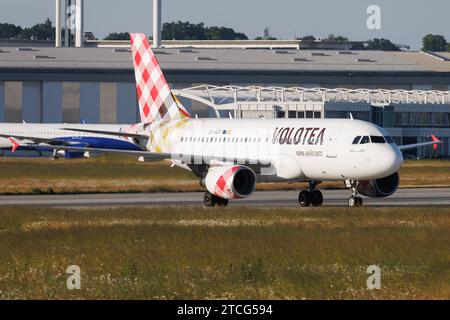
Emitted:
pixel 110 174
pixel 231 253
pixel 425 173
pixel 93 168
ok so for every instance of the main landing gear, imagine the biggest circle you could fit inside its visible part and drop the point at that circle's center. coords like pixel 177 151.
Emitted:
pixel 354 200
pixel 311 197
pixel 211 200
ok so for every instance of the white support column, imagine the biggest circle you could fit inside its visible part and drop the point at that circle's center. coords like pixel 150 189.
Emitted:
pixel 79 30
pixel 156 24
pixel 66 23
pixel 58 23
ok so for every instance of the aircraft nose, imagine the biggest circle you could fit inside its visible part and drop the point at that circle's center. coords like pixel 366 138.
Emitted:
pixel 392 160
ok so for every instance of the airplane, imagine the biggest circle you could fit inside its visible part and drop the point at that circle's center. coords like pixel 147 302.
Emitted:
pixel 229 156
pixel 44 137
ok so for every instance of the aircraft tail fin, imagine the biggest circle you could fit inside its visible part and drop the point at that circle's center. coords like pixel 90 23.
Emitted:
pixel 156 100
pixel 435 139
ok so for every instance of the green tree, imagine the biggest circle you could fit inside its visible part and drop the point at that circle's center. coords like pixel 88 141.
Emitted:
pixel 223 33
pixel 382 44
pixel 180 30
pixel 9 31
pixel 183 31
pixel 308 38
pixel 40 31
pixel 118 36
pixel 432 42
pixel 335 38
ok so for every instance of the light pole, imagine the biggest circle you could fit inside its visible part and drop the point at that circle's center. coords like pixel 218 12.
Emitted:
pixel 156 24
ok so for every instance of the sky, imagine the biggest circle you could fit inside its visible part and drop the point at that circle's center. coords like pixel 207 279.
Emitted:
pixel 402 21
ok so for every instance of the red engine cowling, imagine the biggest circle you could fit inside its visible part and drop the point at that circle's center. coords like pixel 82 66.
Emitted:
pixel 230 182
pixel 377 188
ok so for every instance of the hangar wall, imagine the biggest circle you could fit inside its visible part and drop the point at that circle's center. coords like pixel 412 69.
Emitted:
pixel 68 102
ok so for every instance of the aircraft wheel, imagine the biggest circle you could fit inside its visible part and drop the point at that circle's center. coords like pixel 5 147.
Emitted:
pixel 352 202
pixel 316 197
pixel 359 202
pixel 304 198
pixel 221 202
pixel 208 199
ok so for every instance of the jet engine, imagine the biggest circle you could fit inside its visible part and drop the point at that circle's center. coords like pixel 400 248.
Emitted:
pixel 377 188
pixel 230 182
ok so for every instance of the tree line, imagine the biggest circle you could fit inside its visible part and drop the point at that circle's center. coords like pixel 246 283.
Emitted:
pixel 40 31
pixel 184 30
pixel 188 31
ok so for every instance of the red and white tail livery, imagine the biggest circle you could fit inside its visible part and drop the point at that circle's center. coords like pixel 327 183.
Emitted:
pixel 156 101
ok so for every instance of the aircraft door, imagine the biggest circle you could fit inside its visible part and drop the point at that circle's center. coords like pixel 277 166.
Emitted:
pixel 333 141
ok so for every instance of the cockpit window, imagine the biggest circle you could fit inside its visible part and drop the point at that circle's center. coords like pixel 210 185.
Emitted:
pixel 389 139
pixel 356 140
pixel 365 140
pixel 377 139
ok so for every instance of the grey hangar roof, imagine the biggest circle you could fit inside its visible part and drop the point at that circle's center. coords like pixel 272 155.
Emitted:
pixel 199 65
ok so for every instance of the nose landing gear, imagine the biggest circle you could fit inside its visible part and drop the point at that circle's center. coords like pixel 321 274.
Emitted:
pixel 311 197
pixel 354 200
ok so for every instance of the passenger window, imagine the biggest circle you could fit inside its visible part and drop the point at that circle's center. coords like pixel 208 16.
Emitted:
pixel 365 140
pixel 377 139
pixel 356 140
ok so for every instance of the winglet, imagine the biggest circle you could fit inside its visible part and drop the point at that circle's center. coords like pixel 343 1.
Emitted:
pixel 433 137
pixel 15 145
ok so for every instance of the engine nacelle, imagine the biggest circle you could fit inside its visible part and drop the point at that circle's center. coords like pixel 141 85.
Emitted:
pixel 379 188
pixel 230 182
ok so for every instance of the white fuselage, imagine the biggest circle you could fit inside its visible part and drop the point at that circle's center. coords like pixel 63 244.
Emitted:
pixel 53 131
pixel 282 149
pixel 298 149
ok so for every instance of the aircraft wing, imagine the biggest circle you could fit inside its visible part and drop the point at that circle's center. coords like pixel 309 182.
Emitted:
pixel 435 141
pixel 184 158
pixel 111 133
